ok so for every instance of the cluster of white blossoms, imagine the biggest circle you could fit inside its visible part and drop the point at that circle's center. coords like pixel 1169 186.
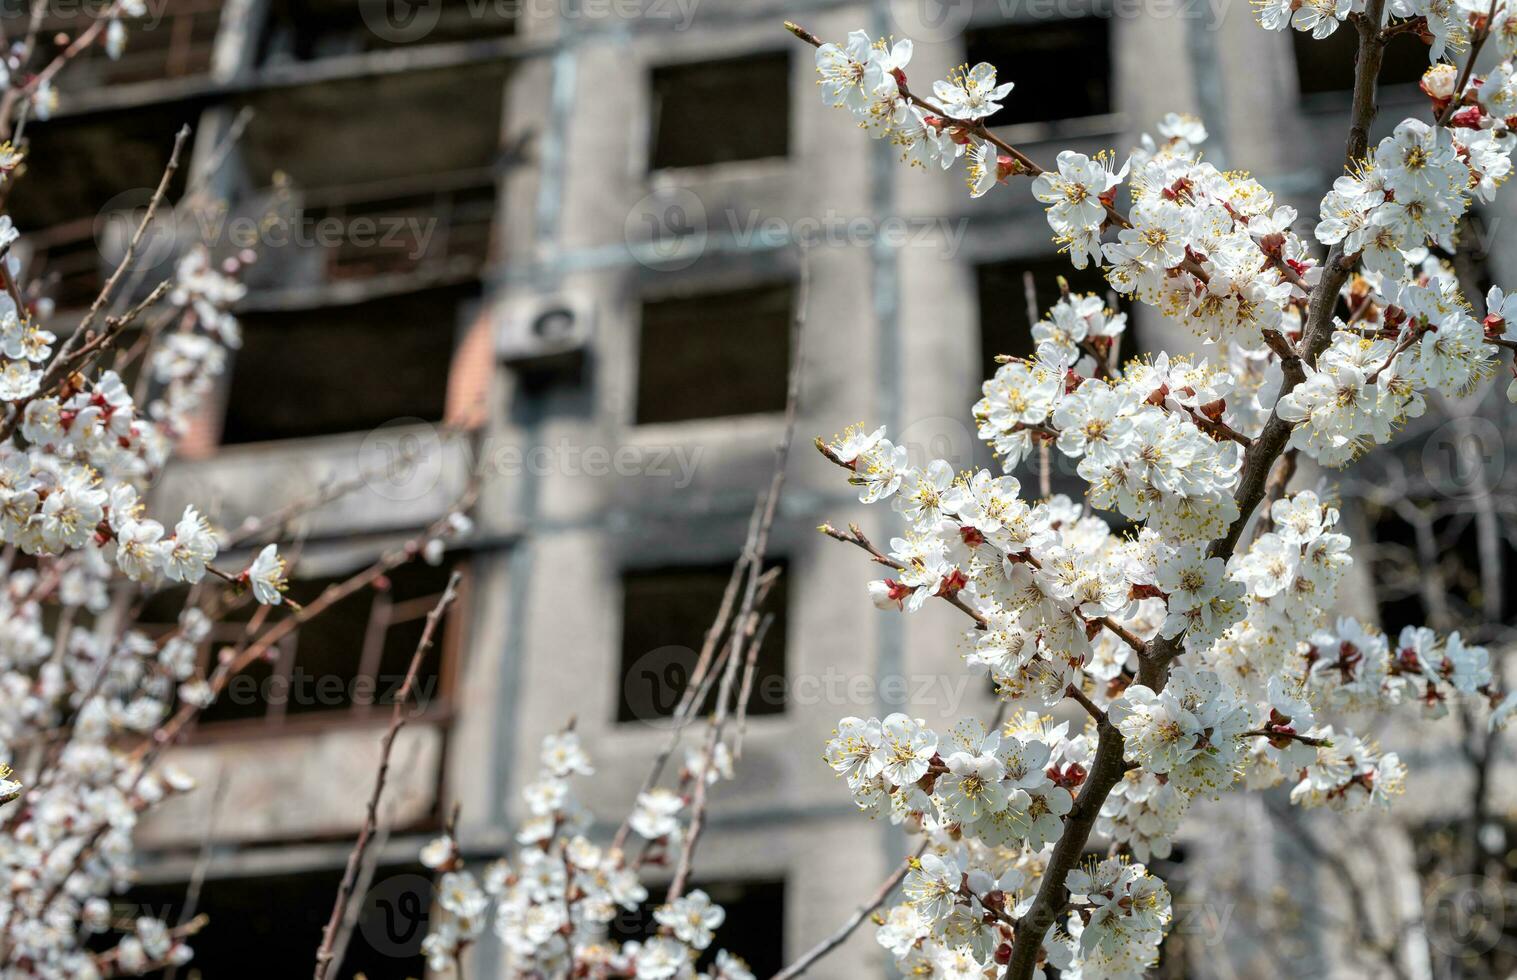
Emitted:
pixel 88 696
pixel 556 899
pixel 1190 732
pixel 91 695
pixel 74 484
pixel 1002 788
pixel 962 900
pixel 71 470
pixel 1201 638
pixel 1445 23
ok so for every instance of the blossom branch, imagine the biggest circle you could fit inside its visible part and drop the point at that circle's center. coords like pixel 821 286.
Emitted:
pixel 855 536
pixel 1280 735
pixel 1106 770
pixel 1109 766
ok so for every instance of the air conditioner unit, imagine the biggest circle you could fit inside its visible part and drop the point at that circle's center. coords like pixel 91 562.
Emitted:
pixel 545 334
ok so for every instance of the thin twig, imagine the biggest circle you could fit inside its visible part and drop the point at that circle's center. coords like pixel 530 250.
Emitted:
pixel 324 956
pixel 760 544
pixel 821 949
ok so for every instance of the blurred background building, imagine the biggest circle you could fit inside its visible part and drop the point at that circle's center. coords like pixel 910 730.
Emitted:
pixel 557 244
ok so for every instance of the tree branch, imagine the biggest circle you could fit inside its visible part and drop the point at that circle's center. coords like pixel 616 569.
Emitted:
pixel 325 959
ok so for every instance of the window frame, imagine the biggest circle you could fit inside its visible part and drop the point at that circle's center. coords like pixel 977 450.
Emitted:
pixel 655 104
pixel 280 724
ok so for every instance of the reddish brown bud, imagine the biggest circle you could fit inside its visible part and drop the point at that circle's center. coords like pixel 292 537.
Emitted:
pixel 952 584
pixel 1467 118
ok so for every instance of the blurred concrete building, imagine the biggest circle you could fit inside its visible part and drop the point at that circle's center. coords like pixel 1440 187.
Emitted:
pixel 557 245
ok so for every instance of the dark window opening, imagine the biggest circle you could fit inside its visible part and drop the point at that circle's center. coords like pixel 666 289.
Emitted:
pixel 665 615
pixel 446 225
pixel 753 930
pixel 714 354
pixel 1402 570
pixel 99 173
pixel 1005 327
pixel 1468 877
pixel 338 197
pixel 394 352
pixel 1038 56
pixel 322 135
pixel 305 30
pixel 175 39
pixel 1328 65
pixel 692 103
pixel 351 659
pixel 270 926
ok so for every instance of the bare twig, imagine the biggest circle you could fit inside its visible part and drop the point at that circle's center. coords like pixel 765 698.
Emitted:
pixel 83 344
pixel 701 674
pixel 809 958
pixel 746 610
pixel 324 956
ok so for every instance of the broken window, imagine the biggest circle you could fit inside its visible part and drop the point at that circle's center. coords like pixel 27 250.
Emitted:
pixel 175 39
pixel 349 661
pixel 336 196
pixel 665 615
pixel 691 104
pixel 754 928
pixel 271 925
pixel 100 174
pixel 1328 65
pixel 400 346
pixel 305 30
pixel 714 354
pixel 1037 56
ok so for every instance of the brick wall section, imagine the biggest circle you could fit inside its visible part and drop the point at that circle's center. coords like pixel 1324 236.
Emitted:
pixel 469 376
pixel 202 432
